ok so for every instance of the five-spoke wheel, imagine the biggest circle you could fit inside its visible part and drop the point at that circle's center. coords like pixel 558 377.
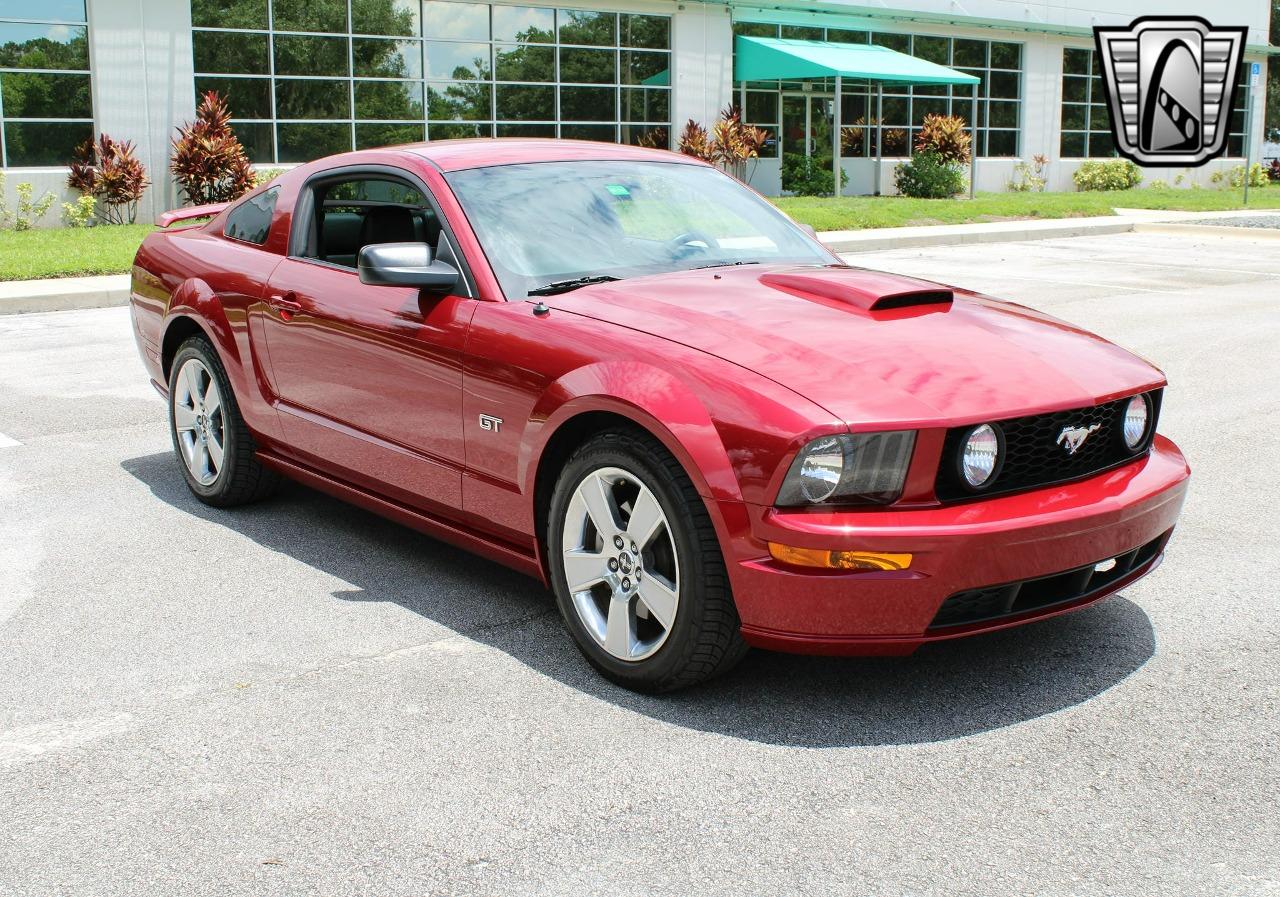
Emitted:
pixel 620 563
pixel 198 421
pixel 637 568
pixel 210 437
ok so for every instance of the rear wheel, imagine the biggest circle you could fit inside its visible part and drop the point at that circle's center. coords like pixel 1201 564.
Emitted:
pixel 637 568
pixel 210 437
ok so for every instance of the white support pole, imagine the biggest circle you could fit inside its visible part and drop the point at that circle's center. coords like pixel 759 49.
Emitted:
pixel 973 143
pixel 742 100
pixel 879 131
pixel 835 149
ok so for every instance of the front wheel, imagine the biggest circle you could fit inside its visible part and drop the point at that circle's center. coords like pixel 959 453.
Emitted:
pixel 637 569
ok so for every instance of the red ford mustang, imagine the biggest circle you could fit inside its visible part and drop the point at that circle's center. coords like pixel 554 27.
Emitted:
pixel 620 371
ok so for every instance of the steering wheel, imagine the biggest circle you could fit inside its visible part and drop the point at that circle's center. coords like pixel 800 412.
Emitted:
pixel 686 242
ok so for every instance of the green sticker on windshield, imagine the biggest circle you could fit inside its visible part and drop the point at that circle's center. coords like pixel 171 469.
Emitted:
pixel 617 189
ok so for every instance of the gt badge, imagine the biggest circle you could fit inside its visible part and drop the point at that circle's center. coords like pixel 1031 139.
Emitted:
pixel 1071 438
pixel 490 423
pixel 1170 83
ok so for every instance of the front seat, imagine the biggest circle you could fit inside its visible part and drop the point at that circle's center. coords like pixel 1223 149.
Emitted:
pixel 388 224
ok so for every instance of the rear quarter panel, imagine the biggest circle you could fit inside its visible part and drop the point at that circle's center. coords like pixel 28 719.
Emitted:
pixel 218 284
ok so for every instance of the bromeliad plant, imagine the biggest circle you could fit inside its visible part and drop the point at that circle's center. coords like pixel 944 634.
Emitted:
pixel 696 142
pixel 936 169
pixel 862 133
pixel 945 136
pixel 736 142
pixel 730 144
pixel 108 171
pixel 208 162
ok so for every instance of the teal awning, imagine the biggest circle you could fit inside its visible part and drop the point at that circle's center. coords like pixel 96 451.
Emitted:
pixel 774 59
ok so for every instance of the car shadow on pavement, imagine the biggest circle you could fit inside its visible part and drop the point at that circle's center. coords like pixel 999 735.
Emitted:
pixel 943 691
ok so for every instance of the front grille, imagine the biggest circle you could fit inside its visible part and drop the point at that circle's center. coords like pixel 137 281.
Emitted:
pixel 1032 456
pixel 994 602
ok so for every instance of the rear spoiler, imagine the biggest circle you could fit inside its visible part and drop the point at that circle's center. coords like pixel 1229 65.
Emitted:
pixel 164 219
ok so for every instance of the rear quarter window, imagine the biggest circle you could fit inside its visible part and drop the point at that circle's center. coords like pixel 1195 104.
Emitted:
pixel 250 222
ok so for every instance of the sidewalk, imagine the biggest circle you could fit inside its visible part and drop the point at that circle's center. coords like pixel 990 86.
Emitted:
pixel 63 294
pixel 873 239
pixel 1123 222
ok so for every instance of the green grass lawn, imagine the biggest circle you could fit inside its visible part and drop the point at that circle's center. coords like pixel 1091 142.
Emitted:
pixel 69 252
pixel 858 212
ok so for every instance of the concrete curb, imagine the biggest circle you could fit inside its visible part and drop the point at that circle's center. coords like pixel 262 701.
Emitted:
pixel 18 297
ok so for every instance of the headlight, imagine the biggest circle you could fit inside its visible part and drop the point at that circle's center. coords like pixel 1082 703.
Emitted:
pixel 1137 414
pixel 866 468
pixel 981 456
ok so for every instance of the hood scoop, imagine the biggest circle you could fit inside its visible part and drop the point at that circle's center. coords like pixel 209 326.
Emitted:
pixel 866 290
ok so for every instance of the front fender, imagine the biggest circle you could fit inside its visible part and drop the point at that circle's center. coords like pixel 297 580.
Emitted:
pixel 652 398
pixel 728 427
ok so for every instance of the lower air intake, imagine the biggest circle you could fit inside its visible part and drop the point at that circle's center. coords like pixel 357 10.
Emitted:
pixel 1010 599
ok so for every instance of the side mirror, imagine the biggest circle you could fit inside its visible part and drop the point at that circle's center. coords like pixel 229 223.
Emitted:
pixel 405 265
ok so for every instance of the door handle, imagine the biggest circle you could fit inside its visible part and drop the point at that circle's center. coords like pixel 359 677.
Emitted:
pixel 286 304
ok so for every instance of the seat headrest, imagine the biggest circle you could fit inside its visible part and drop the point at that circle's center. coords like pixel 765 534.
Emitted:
pixel 387 224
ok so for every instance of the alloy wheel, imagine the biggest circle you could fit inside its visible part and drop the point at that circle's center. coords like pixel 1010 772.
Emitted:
pixel 620 564
pixel 198 421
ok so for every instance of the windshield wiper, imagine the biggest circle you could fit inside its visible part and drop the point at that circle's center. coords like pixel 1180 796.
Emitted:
pixel 564 286
pixel 725 264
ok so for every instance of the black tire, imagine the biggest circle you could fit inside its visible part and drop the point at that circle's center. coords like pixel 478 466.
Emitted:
pixel 704 640
pixel 241 478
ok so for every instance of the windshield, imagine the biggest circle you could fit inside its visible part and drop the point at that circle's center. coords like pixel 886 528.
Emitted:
pixel 544 225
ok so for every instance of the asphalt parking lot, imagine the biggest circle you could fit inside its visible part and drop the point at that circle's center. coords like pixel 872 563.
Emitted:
pixel 300 698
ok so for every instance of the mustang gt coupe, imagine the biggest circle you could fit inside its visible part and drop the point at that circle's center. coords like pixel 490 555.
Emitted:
pixel 625 374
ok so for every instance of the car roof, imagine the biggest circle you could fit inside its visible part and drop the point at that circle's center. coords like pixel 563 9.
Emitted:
pixel 455 155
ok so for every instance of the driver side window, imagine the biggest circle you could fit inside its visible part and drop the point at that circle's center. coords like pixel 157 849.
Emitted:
pixel 352 214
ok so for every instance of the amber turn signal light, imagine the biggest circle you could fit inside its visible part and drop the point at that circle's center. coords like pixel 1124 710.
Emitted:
pixel 838 560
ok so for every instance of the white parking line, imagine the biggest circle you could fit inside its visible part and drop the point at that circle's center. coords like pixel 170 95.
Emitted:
pixel 6 442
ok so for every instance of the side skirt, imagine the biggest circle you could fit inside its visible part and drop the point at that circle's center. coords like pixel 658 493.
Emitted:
pixel 435 527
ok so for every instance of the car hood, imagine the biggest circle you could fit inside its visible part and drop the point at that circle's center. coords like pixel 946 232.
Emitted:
pixel 873 348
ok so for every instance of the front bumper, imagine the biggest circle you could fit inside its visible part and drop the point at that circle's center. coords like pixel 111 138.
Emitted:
pixel 956 548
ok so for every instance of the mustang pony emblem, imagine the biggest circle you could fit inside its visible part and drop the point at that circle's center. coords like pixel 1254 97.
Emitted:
pixel 1071 438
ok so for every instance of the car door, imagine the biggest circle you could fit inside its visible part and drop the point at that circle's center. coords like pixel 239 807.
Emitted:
pixel 368 379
